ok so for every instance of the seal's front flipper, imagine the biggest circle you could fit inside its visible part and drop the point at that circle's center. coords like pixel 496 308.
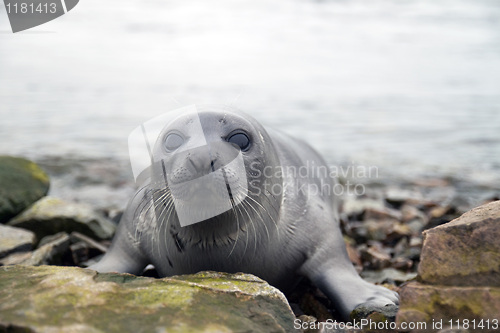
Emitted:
pixel 122 257
pixel 347 290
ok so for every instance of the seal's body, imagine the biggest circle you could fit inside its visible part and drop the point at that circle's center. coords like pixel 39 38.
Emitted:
pixel 282 222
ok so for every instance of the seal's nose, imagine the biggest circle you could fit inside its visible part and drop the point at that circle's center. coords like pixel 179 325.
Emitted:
pixel 202 164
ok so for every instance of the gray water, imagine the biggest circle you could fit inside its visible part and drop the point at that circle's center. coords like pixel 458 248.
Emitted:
pixel 411 87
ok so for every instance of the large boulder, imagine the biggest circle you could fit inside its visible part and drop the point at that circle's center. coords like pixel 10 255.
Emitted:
pixel 22 182
pixel 459 275
pixel 71 299
pixel 464 252
pixel 50 215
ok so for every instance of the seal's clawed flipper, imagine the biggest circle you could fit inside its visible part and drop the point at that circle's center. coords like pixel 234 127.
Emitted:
pixel 347 290
pixel 121 258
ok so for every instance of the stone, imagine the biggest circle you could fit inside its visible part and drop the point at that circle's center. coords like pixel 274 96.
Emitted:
pixel 402 263
pixel 377 314
pixel 398 196
pixel 353 207
pixel 410 213
pixel 15 258
pixel 378 230
pixel 388 275
pixel 22 182
pixel 372 213
pixel 427 303
pixel 72 299
pixel 375 256
pixel 465 251
pixel 15 240
pixel 51 215
pixel 50 252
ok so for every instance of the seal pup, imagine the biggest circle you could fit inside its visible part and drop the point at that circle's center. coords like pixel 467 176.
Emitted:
pixel 223 193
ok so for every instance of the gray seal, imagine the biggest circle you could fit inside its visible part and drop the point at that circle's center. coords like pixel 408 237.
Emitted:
pixel 275 214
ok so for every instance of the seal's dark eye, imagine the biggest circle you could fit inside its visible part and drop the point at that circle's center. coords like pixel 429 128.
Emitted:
pixel 173 141
pixel 241 140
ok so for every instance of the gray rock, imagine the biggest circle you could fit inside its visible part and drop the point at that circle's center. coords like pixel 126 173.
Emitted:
pixel 50 253
pixel 22 182
pixel 71 299
pixel 459 272
pixel 398 196
pixel 375 313
pixel 375 256
pixel 387 275
pixel 353 206
pixel 15 258
pixel 465 251
pixel 50 215
pixel 15 240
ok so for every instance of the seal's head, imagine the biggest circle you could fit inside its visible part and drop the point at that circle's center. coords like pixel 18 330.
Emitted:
pixel 214 169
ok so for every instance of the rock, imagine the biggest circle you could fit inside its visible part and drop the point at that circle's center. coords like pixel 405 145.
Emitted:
pixel 375 314
pixel 416 225
pixel 22 182
pixel 51 215
pixel 15 258
pixel 372 213
pixel 375 256
pixel 408 249
pixel 71 299
pixel 410 213
pixel 378 230
pixel 426 303
pixel 402 263
pixel 15 240
pixel 398 196
pixel 311 305
pixel 440 215
pixel 398 231
pixel 353 207
pixel 388 275
pixel 51 252
pixel 459 274
pixel 464 252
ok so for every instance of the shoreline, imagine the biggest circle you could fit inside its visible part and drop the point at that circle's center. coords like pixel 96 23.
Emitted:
pixel 107 183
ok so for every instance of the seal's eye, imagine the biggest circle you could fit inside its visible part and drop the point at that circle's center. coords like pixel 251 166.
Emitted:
pixel 173 141
pixel 241 140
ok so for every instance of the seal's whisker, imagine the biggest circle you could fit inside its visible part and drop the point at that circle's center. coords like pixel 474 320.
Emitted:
pixel 167 207
pixel 250 219
pixel 163 201
pixel 266 211
pixel 261 218
pixel 237 228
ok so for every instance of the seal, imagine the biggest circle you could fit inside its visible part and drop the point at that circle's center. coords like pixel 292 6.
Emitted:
pixel 223 193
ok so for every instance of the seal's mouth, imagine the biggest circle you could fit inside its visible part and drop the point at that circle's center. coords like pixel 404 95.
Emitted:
pixel 201 188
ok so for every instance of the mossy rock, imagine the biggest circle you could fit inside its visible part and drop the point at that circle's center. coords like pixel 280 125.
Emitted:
pixel 22 182
pixel 71 299
pixel 422 303
pixel 465 251
pixel 51 215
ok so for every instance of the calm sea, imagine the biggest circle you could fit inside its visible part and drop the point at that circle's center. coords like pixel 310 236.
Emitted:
pixel 411 87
